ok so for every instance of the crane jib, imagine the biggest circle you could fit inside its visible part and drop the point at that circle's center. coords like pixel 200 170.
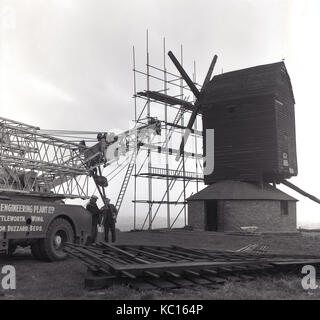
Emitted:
pixel 40 164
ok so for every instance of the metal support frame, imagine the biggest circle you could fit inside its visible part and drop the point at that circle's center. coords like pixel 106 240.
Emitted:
pixel 35 162
pixel 175 177
pixel 32 162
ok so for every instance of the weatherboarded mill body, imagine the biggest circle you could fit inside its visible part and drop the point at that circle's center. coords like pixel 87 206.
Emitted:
pixel 252 114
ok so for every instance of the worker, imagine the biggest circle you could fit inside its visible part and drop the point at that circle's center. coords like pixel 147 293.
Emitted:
pixel 92 207
pixel 109 213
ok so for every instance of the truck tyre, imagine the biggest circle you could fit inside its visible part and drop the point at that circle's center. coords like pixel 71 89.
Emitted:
pixel 35 250
pixel 59 232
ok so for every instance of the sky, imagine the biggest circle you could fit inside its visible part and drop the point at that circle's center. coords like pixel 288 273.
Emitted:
pixel 67 64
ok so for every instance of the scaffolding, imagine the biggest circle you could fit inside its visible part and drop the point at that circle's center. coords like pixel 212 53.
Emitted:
pixel 168 183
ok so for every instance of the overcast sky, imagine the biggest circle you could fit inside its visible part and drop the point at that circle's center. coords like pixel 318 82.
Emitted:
pixel 67 64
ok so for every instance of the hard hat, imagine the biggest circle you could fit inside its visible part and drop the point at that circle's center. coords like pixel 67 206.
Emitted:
pixel 94 197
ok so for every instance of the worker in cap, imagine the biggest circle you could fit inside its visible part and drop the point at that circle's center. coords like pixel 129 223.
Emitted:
pixel 109 213
pixel 92 207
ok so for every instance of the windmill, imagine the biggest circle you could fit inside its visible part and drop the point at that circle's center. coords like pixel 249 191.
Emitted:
pixel 196 108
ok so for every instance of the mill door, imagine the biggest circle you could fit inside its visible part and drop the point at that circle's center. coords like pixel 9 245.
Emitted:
pixel 211 215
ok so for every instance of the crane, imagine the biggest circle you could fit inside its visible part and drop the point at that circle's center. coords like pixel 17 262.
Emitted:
pixel 32 162
pixel 38 171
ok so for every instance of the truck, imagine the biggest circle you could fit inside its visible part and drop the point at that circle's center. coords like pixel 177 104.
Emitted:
pixel 39 172
pixel 43 223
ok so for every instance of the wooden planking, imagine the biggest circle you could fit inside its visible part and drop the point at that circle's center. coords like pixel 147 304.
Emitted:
pixel 250 128
pixel 250 82
pixel 219 266
pixel 159 267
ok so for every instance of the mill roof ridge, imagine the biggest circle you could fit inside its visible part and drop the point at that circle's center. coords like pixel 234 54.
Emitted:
pixel 271 78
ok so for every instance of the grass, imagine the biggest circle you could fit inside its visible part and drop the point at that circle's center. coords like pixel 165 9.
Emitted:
pixel 65 280
pixel 265 288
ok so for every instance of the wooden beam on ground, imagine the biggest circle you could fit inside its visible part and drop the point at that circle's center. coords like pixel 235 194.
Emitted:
pixel 114 248
pixel 152 255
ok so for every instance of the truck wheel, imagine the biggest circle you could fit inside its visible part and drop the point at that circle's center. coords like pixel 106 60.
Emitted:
pixel 36 251
pixel 59 232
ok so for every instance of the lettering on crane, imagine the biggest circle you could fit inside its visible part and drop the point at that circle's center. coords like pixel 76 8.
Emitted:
pixel 21 208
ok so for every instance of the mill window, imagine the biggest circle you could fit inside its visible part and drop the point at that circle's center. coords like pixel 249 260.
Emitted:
pixel 284 207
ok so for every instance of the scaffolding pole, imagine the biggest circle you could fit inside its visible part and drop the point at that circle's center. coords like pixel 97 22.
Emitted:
pixel 195 125
pixel 182 134
pixel 170 176
pixel 165 88
pixel 135 145
pixel 149 152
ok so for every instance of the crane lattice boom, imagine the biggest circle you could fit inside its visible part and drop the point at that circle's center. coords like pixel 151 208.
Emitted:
pixel 33 162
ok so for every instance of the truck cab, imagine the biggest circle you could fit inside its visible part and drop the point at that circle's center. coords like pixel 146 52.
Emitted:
pixel 43 222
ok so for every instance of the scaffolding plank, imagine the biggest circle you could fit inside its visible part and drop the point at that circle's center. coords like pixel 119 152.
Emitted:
pixel 166 99
pixel 159 202
pixel 170 151
pixel 174 174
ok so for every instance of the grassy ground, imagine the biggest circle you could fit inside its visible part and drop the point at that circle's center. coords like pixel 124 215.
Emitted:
pixel 65 280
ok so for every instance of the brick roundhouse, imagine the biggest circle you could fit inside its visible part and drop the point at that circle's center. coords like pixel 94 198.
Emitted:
pixel 230 205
